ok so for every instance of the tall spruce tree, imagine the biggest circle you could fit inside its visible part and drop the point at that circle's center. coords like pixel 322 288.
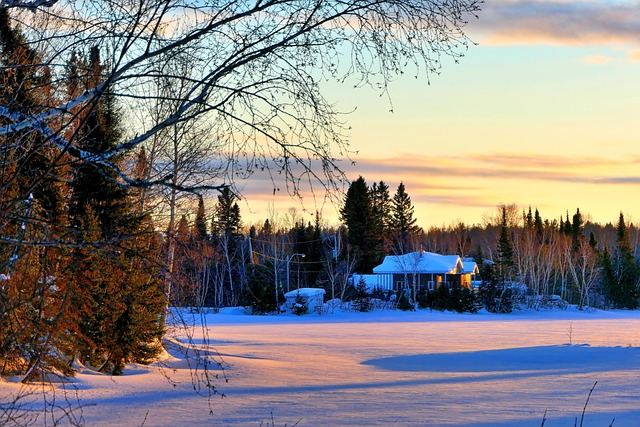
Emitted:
pixel 577 229
pixel 537 223
pixel 505 248
pixel 356 215
pixel 226 226
pixel 381 217
pixel 201 220
pixel 403 224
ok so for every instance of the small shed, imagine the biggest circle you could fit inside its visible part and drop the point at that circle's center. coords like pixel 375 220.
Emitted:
pixel 313 297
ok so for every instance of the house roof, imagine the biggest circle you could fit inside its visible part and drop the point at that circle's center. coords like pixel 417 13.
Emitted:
pixel 471 267
pixel 421 262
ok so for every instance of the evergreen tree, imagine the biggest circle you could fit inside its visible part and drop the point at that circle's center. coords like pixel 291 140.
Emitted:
pixel 362 300
pixel 32 191
pixel 201 220
pixel 505 249
pixel 403 224
pixel 381 208
pixel 567 226
pixel 226 228
pixel 537 223
pixel 621 272
pixel 227 221
pixel 577 228
pixel 529 219
pixel 356 215
pixel 120 317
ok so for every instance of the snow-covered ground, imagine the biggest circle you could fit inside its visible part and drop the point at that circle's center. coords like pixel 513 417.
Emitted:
pixel 383 368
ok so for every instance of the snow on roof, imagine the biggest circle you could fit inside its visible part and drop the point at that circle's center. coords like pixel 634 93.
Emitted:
pixel 305 292
pixel 420 262
pixel 470 267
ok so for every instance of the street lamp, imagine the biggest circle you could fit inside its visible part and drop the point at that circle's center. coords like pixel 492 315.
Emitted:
pixel 289 258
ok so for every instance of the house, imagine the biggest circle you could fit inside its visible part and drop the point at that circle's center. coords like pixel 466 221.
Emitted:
pixel 425 270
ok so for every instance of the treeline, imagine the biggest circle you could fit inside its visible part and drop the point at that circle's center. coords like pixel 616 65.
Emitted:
pixel 521 255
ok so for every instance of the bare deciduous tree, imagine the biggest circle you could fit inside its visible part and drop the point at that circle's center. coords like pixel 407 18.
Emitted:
pixel 256 70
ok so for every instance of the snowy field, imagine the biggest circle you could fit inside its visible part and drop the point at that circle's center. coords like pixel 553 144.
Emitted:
pixel 383 368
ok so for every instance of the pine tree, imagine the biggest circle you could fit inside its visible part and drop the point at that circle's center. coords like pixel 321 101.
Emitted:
pixel 505 249
pixel 120 319
pixel 537 223
pixel 356 215
pixel 403 224
pixel 226 227
pixel 529 219
pixel 31 209
pixel 201 220
pixel 577 228
pixel 227 220
pixel 381 207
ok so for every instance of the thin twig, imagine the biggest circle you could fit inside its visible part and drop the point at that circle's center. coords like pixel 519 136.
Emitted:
pixel 586 403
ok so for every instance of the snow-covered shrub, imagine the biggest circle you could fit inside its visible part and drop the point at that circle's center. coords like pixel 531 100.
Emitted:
pixel 362 300
pixel 404 301
pixel 300 306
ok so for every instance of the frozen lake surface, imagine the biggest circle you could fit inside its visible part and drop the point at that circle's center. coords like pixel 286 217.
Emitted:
pixel 386 368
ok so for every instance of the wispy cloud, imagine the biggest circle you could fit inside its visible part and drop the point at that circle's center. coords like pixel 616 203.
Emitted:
pixel 596 59
pixel 459 183
pixel 559 22
pixel 444 174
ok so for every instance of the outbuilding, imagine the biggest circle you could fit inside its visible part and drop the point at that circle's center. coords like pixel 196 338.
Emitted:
pixel 313 298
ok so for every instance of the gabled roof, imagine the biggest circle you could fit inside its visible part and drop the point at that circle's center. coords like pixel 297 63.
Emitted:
pixel 421 262
pixel 470 267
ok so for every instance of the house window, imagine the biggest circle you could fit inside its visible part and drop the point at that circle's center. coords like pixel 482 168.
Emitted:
pixel 400 284
pixel 431 285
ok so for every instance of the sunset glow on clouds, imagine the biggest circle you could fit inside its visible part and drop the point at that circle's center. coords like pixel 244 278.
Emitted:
pixel 542 112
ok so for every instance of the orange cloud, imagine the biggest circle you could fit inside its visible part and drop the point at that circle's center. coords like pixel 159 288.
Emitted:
pixel 460 186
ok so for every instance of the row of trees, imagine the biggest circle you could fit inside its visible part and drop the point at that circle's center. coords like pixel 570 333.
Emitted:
pixel 537 258
pixel 377 224
pixel 520 254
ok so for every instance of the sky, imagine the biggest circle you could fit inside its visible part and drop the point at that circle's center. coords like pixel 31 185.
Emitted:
pixel 542 112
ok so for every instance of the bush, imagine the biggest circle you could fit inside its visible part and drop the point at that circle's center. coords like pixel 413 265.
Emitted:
pixel 404 301
pixel 462 300
pixel 362 300
pixel 300 305
pixel 259 294
pixel 496 298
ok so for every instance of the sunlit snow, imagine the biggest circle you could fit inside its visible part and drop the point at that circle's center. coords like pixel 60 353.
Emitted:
pixel 383 368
